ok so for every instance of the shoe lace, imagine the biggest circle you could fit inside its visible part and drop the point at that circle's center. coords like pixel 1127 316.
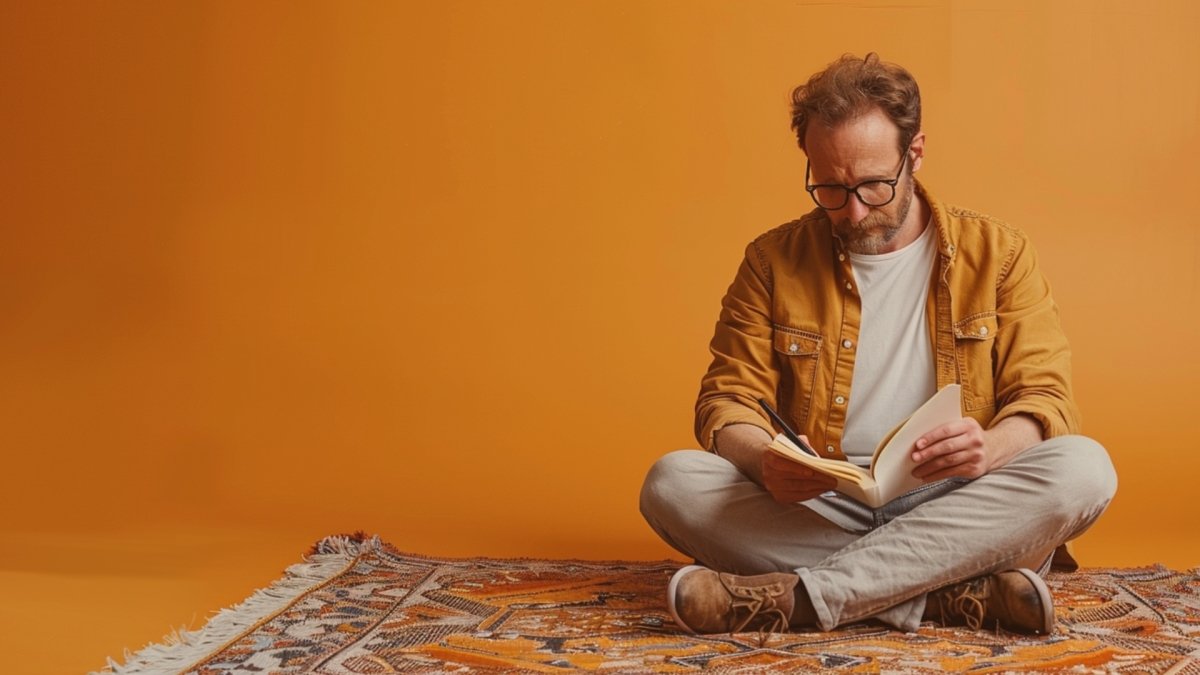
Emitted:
pixel 758 602
pixel 966 601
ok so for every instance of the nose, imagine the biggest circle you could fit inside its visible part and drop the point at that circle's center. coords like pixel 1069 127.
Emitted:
pixel 856 210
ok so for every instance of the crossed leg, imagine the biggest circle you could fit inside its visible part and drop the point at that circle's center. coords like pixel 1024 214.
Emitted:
pixel 1013 517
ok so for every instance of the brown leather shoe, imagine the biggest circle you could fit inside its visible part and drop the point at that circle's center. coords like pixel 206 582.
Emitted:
pixel 1016 600
pixel 705 601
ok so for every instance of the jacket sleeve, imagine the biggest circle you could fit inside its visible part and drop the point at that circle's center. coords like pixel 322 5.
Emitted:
pixel 742 368
pixel 1033 359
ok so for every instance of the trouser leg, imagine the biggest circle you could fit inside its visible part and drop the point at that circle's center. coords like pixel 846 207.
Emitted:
pixel 704 507
pixel 1013 517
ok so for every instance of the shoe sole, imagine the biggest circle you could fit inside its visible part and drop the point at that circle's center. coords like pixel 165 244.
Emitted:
pixel 671 587
pixel 1047 599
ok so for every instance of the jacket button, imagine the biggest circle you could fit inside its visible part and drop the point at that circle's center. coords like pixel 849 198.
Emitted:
pixel 839 399
pixel 829 449
pixel 793 348
pixel 847 344
pixel 841 256
pixel 983 330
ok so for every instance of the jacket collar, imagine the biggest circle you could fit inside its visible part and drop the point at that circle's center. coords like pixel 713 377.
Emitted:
pixel 947 236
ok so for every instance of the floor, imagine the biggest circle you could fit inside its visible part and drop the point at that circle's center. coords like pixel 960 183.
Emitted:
pixel 120 591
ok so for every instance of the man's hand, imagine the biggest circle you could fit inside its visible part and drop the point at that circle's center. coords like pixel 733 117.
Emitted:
pixel 963 449
pixel 790 482
pixel 957 449
pixel 746 446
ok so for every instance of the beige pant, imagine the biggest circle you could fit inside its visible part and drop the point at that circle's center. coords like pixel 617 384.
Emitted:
pixel 1012 517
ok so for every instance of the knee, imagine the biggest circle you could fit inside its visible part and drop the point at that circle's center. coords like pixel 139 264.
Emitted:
pixel 668 481
pixel 1093 472
pixel 1085 475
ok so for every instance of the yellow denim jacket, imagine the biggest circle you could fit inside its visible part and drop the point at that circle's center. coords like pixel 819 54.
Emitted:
pixel 789 328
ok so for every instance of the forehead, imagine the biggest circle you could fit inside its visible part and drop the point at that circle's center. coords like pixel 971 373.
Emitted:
pixel 860 148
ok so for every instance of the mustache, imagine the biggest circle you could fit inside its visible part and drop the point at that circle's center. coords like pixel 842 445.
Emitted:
pixel 872 220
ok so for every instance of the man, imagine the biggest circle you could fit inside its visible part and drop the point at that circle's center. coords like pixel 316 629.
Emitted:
pixel 846 321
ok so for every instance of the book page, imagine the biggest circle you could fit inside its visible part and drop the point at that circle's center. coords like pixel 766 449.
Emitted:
pixel 864 493
pixel 892 466
pixel 843 471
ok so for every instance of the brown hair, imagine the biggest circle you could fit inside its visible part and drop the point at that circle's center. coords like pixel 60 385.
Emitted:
pixel 852 86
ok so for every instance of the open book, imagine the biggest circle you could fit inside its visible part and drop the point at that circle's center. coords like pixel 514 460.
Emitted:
pixel 891 469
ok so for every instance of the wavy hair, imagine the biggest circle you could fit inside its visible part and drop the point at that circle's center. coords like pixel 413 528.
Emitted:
pixel 852 86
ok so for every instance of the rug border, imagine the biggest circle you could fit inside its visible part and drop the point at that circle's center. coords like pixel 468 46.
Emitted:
pixel 181 650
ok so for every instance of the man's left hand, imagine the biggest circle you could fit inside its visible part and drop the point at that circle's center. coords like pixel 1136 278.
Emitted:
pixel 963 449
pixel 958 449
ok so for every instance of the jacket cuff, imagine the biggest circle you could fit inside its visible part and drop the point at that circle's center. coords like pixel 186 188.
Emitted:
pixel 734 414
pixel 1052 421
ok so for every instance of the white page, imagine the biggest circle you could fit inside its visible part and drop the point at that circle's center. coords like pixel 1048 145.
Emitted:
pixel 894 466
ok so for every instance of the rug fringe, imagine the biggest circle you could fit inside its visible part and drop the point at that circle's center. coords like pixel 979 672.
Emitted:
pixel 182 648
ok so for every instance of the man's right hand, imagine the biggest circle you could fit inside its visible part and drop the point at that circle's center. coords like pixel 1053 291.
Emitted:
pixel 746 446
pixel 790 482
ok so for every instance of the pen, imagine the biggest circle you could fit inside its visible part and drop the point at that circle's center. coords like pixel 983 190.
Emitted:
pixel 787 431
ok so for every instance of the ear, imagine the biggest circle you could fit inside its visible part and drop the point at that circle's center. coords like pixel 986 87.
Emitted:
pixel 916 151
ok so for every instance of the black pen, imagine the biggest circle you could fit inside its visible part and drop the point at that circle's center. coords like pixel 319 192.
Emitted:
pixel 791 435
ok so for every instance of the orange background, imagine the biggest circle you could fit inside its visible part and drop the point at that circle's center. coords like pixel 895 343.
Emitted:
pixel 446 271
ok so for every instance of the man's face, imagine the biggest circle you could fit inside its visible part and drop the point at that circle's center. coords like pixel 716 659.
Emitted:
pixel 863 149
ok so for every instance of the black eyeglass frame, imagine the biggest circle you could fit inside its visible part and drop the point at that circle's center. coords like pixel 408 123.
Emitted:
pixel 811 189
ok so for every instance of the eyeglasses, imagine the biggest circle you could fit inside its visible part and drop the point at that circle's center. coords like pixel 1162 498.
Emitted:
pixel 832 197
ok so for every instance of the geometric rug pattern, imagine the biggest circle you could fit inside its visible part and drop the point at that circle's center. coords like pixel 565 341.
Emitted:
pixel 358 605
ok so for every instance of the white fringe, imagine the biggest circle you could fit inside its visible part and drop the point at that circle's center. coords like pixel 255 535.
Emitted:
pixel 182 648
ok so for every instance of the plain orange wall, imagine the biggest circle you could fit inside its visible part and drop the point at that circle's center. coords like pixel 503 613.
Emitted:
pixel 446 271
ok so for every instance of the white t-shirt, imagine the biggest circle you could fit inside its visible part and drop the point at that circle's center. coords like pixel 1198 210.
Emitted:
pixel 893 369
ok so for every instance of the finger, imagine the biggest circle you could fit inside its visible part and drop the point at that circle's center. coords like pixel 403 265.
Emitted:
pixel 972 439
pixel 805 485
pixel 822 480
pixel 945 446
pixel 943 463
pixel 786 467
pixel 821 483
pixel 967 464
pixel 956 428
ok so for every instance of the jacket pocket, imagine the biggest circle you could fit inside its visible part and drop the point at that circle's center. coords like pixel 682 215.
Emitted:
pixel 797 353
pixel 974 341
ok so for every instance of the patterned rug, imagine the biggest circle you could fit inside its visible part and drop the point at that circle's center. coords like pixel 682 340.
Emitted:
pixel 357 605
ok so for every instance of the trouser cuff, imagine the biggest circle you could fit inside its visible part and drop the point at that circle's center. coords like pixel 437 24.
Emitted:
pixel 905 616
pixel 825 619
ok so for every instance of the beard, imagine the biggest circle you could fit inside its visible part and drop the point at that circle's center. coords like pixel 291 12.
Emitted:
pixel 872 234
